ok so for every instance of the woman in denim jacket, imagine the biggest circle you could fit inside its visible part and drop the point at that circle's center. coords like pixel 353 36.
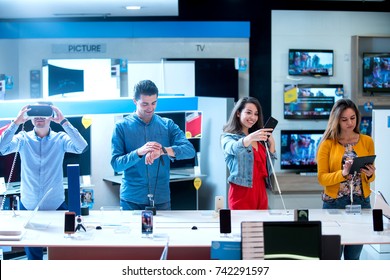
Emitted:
pixel 243 143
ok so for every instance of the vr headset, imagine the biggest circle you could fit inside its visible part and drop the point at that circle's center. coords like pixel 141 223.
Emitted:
pixel 40 111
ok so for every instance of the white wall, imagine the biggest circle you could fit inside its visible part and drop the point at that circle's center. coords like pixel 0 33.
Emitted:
pixel 215 112
pixel 381 136
pixel 316 30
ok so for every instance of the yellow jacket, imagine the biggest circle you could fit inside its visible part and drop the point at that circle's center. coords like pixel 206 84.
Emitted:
pixel 329 157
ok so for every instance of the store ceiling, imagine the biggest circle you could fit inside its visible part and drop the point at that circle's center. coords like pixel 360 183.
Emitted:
pixel 25 9
pixel 33 9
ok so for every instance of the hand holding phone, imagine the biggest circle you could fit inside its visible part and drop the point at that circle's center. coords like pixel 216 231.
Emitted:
pixel 271 123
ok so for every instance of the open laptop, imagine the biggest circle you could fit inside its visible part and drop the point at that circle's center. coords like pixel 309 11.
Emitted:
pixel 12 232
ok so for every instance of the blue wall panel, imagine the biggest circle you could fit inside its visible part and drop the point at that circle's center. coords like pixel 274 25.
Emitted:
pixel 164 29
pixel 10 109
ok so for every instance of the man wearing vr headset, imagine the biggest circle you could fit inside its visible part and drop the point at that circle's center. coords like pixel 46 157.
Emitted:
pixel 42 153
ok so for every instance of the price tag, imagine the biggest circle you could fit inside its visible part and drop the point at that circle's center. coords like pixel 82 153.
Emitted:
pixel 197 183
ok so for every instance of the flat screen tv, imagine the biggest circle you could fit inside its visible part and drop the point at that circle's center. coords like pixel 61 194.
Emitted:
pixel 64 80
pixel 304 62
pixel 310 101
pixel 84 159
pixel 298 149
pixel 376 72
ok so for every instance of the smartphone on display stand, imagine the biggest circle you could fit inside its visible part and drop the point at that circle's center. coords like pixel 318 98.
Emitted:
pixel 147 223
pixel 70 222
pixel 225 221
pixel 219 203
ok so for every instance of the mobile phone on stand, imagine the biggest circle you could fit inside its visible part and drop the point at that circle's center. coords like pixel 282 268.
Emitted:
pixel 225 221
pixel 147 223
pixel 219 203
pixel 70 222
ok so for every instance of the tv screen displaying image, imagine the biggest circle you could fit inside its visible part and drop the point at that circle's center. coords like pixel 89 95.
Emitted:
pixel 366 125
pixel 376 72
pixel 64 80
pixel 299 148
pixel 310 101
pixel 303 62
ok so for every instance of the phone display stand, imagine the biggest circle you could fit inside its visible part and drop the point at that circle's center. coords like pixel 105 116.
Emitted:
pixel 151 208
pixel 107 219
pixel 353 209
pixel 226 235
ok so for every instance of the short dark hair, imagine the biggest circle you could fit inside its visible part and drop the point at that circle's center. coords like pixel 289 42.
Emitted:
pixel 145 87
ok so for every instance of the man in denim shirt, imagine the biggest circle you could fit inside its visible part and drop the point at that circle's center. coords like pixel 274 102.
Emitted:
pixel 143 144
pixel 42 153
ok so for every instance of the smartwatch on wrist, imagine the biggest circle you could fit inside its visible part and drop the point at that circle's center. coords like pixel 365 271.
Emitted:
pixel 63 121
pixel 164 151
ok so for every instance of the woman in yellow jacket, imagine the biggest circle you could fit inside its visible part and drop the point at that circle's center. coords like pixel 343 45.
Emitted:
pixel 341 143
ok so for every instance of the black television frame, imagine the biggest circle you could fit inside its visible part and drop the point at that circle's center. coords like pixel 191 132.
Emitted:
pixel 366 72
pixel 323 104
pixel 297 71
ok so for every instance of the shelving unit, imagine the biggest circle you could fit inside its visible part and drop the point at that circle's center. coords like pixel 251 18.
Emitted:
pixel 359 45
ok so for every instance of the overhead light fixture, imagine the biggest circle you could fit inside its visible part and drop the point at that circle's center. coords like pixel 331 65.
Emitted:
pixel 133 7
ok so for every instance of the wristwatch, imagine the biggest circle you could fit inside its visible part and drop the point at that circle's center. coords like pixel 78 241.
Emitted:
pixel 164 151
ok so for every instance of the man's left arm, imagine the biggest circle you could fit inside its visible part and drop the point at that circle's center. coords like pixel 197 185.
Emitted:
pixel 76 143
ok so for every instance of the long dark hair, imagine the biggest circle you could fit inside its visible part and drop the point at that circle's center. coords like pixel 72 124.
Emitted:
pixel 233 124
pixel 333 129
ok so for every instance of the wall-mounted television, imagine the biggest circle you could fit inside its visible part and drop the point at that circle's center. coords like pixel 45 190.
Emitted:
pixel 298 149
pixel 305 62
pixel 310 101
pixel 376 72
pixel 84 159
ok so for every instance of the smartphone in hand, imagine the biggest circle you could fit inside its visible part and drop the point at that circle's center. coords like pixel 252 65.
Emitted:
pixel 271 123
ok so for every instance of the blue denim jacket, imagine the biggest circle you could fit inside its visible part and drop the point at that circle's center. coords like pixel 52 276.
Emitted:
pixel 239 160
pixel 138 178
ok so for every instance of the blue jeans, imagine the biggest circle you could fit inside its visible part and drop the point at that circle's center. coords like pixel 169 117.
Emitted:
pixel 36 253
pixel 351 252
pixel 127 205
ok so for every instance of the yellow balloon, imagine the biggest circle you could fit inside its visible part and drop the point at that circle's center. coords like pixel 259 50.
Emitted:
pixel 197 183
pixel 86 121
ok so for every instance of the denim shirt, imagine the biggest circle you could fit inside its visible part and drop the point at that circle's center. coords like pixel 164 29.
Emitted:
pixel 140 179
pixel 239 159
pixel 42 160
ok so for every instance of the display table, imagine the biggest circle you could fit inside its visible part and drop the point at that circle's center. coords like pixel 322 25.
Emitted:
pixel 120 236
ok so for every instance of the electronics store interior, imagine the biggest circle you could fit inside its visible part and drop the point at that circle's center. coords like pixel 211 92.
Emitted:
pixel 298 59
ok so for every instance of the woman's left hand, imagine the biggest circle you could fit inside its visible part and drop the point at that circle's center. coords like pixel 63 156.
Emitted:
pixel 369 170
